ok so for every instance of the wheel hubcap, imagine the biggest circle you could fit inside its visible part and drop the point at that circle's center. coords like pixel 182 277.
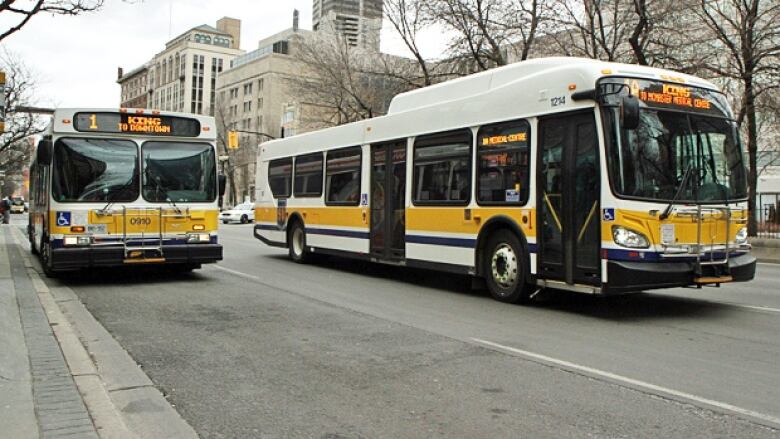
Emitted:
pixel 298 241
pixel 504 266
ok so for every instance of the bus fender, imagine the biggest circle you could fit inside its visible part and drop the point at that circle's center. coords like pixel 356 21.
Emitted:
pixel 493 224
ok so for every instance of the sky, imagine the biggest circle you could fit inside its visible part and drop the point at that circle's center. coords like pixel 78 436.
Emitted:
pixel 75 59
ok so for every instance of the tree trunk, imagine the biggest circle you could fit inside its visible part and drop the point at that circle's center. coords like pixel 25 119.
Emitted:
pixel 750 112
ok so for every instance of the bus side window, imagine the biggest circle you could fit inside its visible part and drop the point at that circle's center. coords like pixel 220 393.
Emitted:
pixel 280 177
pixel 442 168
pixel 342 177
pixel 503 157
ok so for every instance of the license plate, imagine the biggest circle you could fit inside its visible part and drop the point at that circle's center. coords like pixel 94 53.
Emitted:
pixel 97 229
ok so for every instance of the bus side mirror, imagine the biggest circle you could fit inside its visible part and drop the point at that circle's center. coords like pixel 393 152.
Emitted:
pixel 44 152
pixel 222 184
pixel 629 112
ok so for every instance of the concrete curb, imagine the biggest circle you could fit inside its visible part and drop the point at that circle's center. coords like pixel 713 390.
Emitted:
pixel 766 250
pixel 122 400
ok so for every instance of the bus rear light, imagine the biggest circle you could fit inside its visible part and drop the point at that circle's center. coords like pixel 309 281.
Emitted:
pixel 156 112
pixel 206 129
pixel 77 229
pixel 139 111
pixel 66 121
pixel 198 227
pixel 572 87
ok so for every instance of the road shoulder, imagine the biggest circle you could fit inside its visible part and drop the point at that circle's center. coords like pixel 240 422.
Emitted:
pixel 121 400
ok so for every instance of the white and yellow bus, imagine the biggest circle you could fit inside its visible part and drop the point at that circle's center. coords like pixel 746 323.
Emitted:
pixel 126 186
pixel 566 173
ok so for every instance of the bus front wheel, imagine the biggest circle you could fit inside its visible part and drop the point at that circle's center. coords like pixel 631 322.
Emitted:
pixel 504 268
pixel 296 243
pixel 45 255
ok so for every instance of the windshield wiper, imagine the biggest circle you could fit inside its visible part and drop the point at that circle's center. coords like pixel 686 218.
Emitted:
pixel 683 185
pixel 159 189
pixel 121 188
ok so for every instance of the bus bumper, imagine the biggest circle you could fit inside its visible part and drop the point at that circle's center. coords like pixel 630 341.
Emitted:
pixel 628 276
pixel 75 258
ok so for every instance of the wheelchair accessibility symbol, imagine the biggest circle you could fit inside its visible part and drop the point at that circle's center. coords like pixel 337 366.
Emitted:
pixel 63 219
pixel 609 214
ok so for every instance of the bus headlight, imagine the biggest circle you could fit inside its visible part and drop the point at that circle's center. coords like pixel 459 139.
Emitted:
pixel 73 241
pixel 194 238
pixel 742 236
pixel 629 238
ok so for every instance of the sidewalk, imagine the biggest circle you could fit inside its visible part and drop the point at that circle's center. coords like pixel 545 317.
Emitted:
pixel 61 373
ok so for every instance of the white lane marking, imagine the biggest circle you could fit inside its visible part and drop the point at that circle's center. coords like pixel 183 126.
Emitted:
pixel 755 307
pixel 774 421
pixel 234 272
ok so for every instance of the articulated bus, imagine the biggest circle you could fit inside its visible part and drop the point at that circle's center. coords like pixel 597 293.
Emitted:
pixel 127 186
pixel 563 173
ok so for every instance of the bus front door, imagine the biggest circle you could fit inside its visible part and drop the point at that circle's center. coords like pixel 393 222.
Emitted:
pixel 388 203
pixel 569 236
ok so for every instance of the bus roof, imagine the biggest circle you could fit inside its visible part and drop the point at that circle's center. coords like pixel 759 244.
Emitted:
pixel 523 89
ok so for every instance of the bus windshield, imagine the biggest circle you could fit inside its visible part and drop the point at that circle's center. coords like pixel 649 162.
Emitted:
pixel 651 161
pixel 179 172
pixel 95 170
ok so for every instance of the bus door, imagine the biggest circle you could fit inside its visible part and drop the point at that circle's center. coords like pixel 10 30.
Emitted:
pixel 569 236
pixel 388 203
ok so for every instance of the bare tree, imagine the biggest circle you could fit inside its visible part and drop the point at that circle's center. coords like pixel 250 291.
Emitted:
pixel 343 82
pixel 486 32
pixel 746 44
pixel 21 12
pixel 222 115
pixel 20 92
pixel 408 18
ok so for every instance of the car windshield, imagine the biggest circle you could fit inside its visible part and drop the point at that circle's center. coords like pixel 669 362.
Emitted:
pixel 674 147
pixel 17 201
pixel 96 170
pixel 179 172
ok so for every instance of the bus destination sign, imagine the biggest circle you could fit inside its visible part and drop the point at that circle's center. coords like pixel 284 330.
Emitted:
pixel 124 123
pixel 676 96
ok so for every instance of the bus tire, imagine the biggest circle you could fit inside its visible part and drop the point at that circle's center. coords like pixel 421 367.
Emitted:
pixel 45 256
pixel 31 238
pixel 296 243
pixel 504 268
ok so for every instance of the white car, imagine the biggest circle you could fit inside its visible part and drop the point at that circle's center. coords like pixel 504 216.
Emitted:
pixel 243 213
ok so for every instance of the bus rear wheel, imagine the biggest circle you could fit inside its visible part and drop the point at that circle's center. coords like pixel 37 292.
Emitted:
pixel 504 268
pixel 296 242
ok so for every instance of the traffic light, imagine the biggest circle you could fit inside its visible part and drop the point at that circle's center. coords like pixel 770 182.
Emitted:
pixel 2 102
pixel 233 139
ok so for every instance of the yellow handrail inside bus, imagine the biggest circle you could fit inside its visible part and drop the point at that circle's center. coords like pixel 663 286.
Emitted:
pixel 552 211
pixel 587 221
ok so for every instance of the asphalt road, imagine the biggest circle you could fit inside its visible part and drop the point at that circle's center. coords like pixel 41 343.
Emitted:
pixel 258 346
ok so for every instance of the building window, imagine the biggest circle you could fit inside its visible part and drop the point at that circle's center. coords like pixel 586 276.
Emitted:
pixel 259 103
pixel 198 63
pixel 442 168
pixel 342 176
pixel 503 154
pixel 260 84
pixel 247 89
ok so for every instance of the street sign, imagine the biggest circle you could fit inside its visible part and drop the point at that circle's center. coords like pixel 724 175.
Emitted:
pixel 233 139
pixel 2 102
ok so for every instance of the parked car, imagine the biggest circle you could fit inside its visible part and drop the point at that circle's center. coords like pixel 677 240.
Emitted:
pixel 17 205
pixel 243 213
